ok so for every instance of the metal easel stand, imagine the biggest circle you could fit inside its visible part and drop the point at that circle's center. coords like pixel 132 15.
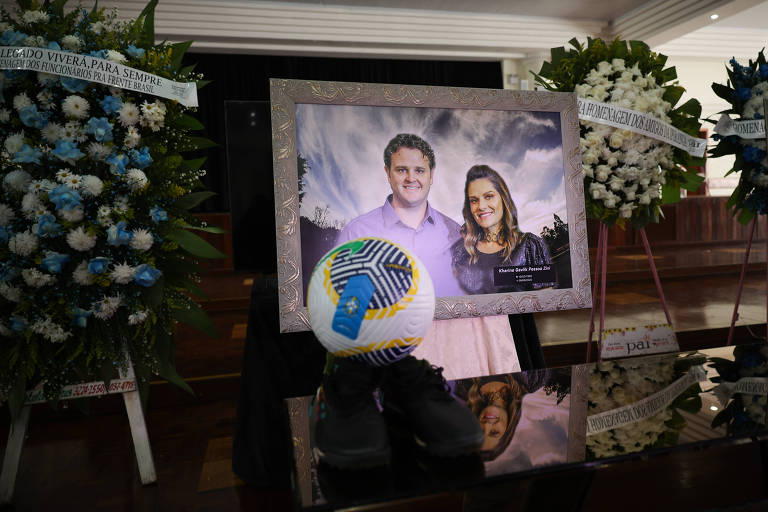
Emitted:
pixel 126 385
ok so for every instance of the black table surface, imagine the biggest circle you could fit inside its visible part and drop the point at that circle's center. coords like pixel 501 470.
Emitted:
pixel 583 416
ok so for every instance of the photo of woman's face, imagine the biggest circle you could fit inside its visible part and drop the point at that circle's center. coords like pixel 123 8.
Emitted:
pixel 485 203
pixel 494 418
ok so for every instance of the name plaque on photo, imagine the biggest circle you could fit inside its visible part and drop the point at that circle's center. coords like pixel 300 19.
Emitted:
pixel 508 275
pixel 635 341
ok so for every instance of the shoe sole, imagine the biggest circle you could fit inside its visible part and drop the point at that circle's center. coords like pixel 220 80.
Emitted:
pixel 353 461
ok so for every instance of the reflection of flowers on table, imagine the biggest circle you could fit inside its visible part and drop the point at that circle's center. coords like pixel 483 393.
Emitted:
pixel 745 411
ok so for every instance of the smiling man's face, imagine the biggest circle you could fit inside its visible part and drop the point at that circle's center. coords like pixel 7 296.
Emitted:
pixel 410 177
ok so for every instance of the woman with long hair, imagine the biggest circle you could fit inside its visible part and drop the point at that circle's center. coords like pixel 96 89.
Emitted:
pixel 491 236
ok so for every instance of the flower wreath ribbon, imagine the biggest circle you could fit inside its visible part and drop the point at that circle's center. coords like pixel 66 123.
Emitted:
pixel 745 386
pixel 746 129
pixel 98 70
pixel 639 122
pixel 645 408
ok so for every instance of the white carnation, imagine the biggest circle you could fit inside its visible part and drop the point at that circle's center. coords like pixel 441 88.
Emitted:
pixel 17 181
pixel 122 273
pixel 91 185
pixel 142 240
pixel 98 27
pixel 625 210
pixel 14 143
pixel 75 107
pixel 81 275
pixel 6 214
pixel 11 293
pixel 115 56
pixel 20 101
pixel 80 240
pixel 23 244
pixel 35 278
pixel 72 43
pixel 136 179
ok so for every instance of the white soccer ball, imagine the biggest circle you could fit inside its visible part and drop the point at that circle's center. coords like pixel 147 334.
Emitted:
pixel 371 300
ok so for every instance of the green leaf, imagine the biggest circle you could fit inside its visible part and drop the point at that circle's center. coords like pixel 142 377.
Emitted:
pixel 202 143
pixel 154 294
pixel 202 83
pixel 177 53
pixel 670 193
pixel 147 38
pixel 168 372
pixel 745 216
pixel 191 200
pixel 672 94
pixel 196 317
pixel 692 405
pixel 691 181
pixel 194 244
pixel 194 164
pixel 691 107
pixel 208 229
pixel 188 122
pixel 192 288
pixel 723 91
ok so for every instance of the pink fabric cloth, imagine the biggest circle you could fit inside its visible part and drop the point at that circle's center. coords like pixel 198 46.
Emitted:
pixel 470 347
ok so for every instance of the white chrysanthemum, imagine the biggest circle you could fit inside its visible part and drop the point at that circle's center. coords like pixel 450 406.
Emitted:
pixel 75 107
pixel 73 131
pixel 104 216
pixel 51 132
pixel 45 97
pixel 121 204
pixel 142 240
pixel 30 203
pixel 20 101
pixel 132 137
pixel 625 210
pixel 76 214
pixel 106 307
pixel 152 125
pixel 73 181
pixel 137 317
pixel 71 43
pixel 11 293
pixel 122 273
pixel 98 27
pixel 17 181
pixel 136 179
pixel 81 275
pixel 50 330
pixel 115 56
pixel 30 17
pixel 80 240
pixel 35 41
pixel 6 214
pixel 154 111
pixel 23 244
pixel 41 186
pixel 129 114
pixel 5 115
pixel 36 279
pixel 91 185
pixel 46 78
pixel 98 151
pixel 14 143
pixel 62 175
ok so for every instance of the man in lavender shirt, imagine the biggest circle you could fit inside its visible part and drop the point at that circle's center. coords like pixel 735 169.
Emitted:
pixel 406 217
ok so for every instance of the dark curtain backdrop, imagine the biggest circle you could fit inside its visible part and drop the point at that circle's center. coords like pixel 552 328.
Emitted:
pixel 246 77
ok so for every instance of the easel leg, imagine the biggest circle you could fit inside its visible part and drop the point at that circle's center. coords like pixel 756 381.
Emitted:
pixel 595 284
pixel 139 434
pixel 741 281
pixel 13 455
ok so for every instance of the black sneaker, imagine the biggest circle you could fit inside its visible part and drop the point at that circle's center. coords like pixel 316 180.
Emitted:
pixel 417 396
pixel 349 431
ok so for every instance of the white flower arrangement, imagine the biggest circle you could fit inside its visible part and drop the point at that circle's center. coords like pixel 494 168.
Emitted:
pixel 96 255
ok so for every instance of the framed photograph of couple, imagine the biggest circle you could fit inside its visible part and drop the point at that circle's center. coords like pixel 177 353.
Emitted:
pixel 483 185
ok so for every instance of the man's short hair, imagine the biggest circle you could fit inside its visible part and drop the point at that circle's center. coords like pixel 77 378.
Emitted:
pixel 408 140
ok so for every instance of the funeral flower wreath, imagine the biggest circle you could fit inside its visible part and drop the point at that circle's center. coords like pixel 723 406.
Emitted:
pixel 627 175
pixel 97 260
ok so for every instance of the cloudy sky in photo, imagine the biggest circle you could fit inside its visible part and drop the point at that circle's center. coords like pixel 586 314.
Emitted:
pixel 344 146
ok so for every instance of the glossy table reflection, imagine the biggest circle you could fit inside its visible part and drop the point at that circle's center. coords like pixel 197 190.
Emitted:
pixel 559 420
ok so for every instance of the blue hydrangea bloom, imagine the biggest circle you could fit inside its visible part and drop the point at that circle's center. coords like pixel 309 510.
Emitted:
pixel 80 316
pixel 13 38
pixel 753 154
pixel 8 272
pixel 67 150
pixel 30 116
pixel 73 85
pixel 741 93
pixel 146 275
pixel 47 226
pixel 64 197
pixel 53 45
pixel 5 234
pixel 28 155
pixel 111 104
pixel 118 235
pixel 134 52
pixel 100 128
pixel 18 323
pixel 158 214
pixel 99 54
pixel 54 261
pixel 141 158
pixel 98 265
pixel 763 71
pixel 117 163
pixel 13 74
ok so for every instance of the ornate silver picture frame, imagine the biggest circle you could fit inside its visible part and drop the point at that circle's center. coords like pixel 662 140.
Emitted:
pixel 328 139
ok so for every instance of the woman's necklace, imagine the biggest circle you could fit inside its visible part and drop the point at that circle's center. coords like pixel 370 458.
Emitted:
pixel 493 236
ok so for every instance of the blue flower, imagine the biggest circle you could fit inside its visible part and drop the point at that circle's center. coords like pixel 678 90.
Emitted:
pixel 763 71
pixel 158 214
pixel 28 155
pixel 134 52
pixel 752 360
pixel 13 74
pixel 741 94
pixel 18 323
pixel 53 45
pixel 118 235
pixel 47 226
pixel 146 275
pixel 32 118
pixel 98 265
pixel 753 154
pixel 111 104
pixel 67 150
pixel 73 85
pixel 100 128
pixel 100 54
pixel 117 163
pixel 5 234
pixel 13 38
pixel 64 197
pixel 80 316
pixel 53 261
pixel 141 158
pixel 8 272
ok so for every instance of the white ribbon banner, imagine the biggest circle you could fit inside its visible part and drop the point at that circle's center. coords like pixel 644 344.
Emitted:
pixel 646 407
pixel 83 390
pixel 745 386
pixel 747 129
pixel 639 122
pixel 93 69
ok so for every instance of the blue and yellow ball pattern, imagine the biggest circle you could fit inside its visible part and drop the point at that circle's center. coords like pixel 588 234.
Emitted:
pixel 371 300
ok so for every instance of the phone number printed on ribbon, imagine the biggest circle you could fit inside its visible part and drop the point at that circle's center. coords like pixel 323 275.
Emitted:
pixel 639 122
pixel 97 70
pixel 83 390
